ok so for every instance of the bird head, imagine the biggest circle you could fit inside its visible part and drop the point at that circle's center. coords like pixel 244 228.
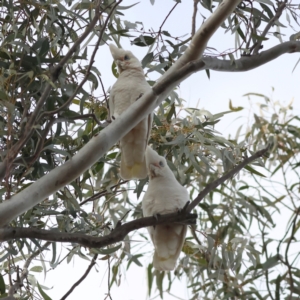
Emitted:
pixel 157 165
pixel 124 59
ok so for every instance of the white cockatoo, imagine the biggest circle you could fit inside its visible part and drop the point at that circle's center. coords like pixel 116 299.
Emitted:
pixel 130 85
pixel 164 195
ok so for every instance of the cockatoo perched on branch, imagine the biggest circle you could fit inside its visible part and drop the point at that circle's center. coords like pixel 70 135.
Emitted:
pixel 164 195
pixel 131 84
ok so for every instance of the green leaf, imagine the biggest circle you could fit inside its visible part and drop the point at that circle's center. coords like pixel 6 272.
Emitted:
pixel 127 7
pixel 140 187
pixel 44 48
pixel 2 285
pixel 44 295
pixel 114 69
pixel 4 96
pixel 172 112
pixel 110 250
pixel 143 41
pixel 250 169
pixel 147 59
pixel 150 278
pixel 37 269
pixel 241 34
pixel 271 262
pixel 207 71
pixel 260 38
pixel 115 269
pixel 159 282
pixel 234 108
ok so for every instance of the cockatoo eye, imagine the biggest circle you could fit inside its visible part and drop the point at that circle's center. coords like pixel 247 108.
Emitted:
pixel 126 57
pixel 161 163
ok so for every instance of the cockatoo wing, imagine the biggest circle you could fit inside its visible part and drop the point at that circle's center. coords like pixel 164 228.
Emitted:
pixel 131 84
pixel 168 241
pixel 133 145
pixel 164 195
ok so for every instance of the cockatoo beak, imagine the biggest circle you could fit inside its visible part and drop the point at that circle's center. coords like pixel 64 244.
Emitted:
pixel 153 168
pixel 155 164
pixel 115 52
pixel 118 56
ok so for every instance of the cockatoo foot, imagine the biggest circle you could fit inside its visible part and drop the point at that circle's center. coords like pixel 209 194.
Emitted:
pixel 156 216
pixel 183 210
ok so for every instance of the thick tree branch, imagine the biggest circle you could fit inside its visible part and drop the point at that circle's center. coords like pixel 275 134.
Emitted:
pixel 246 63
pixel 119 233
pixel 110 135
pixel 243 64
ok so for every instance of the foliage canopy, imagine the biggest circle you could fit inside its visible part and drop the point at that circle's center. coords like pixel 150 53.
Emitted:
pixel 54 102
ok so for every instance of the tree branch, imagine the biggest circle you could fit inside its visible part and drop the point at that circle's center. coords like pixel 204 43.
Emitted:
pixel 168 15
pixel 280 9
pixel 211 186
pixel 202 36
pixel 19 281
pixel 243 64
pixel 194 17
pixel 80 117
pixel 100 144
pixel 68 102
pixel 54 72
pixel 86 273
pixel 246 63
pixel 119 233
pixel 102 193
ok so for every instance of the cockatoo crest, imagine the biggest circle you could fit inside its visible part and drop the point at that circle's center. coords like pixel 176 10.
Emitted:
pixel 157 165
pixel 124 59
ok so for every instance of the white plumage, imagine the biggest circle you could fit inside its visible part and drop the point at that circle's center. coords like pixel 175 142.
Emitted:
pixel 164 195
pixel 130 85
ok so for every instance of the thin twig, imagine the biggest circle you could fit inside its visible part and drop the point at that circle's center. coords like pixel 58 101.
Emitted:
pixel 108 281
pixel 105 96
pixel 54 74
pixel 19 281
pixel 168 15
pixel 86 273
pixel 267 257
pixel 120 232
pixel 102 193
pixel 287 250
pixel 267 28
pixel 92 60
pixel 211 186
pixel 80 117
pixel 194 17
pixel 40 145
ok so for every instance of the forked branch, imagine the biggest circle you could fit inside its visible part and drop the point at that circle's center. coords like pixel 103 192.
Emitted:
pixel 120 232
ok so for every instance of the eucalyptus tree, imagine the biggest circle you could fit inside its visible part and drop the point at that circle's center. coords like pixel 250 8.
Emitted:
pixel 60 157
